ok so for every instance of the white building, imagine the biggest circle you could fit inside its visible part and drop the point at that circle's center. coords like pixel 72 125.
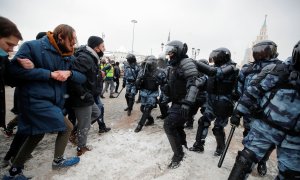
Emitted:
pixel 262 36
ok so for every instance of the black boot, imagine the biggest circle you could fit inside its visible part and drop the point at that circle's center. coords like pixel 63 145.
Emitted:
pixel 138 128
pixel 201 135
pixel 178 152
pixel 243 165
pixel 146 114
pixel 220 138
pixel 262 164
pixel 198 146
pixel 164 110
pixel 150 121
pixel 102 127
pixel 130 106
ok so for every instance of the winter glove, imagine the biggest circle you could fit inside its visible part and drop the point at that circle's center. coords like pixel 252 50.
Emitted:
pixel 235 119
pixel 123 85
pixel 185 110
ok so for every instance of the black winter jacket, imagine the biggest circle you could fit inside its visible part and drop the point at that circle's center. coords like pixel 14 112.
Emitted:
pixel 87 63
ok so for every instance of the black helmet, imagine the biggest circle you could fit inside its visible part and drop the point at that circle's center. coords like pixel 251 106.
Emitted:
pixel 150 63
pixel 264 50
pixel 131 58
pixel 178 48
pixel 220 56
pixel 203 61
pixel 296 56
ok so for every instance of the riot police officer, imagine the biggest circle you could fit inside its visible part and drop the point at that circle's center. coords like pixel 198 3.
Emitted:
pixel 264 53
pixel 219 105
pixel 131 71
pixel 182 91
pixel 148 81
pixel 274 97
pixel 201 98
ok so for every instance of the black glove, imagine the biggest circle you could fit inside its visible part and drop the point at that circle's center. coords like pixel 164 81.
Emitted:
pixel 185 110
pixel 123 85
pixel 235 119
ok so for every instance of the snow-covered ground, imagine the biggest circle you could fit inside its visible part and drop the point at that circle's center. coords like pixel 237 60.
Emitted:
pixel 125 155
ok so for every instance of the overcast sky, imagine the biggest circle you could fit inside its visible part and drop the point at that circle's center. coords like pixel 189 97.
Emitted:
pixel 203 24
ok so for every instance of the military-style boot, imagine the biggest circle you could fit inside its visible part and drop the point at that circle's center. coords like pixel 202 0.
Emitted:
pixel 178 152
pixel 130 106
pixel 145 116
pixel 262 164
pixel 243 165
pixel 150 121
pixel 200 137
pixel 198 146
pixel 164 110
pixel 220 138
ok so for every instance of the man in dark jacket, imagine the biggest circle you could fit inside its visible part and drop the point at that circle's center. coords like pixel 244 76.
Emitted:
pixel 117 74
pixel 9 38
pixel 82 95
pixel 43 92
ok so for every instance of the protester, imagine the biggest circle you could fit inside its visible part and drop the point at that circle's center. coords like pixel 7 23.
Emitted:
pixel 46 85
pixel 9 38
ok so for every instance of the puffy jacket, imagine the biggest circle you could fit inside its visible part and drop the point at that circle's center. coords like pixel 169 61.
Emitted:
pixel 42 98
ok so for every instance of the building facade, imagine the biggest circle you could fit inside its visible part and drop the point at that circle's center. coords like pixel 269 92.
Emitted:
pixel 262 36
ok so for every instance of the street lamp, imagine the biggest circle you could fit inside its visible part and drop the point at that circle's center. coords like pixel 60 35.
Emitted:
pixel 133 22
pixel 195 53
pixel 162 47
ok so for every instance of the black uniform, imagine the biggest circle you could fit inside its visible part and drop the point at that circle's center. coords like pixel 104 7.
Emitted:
pixel 183 93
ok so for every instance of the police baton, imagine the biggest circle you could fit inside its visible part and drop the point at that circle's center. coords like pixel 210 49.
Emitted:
pixel 226 146
pixel 119 92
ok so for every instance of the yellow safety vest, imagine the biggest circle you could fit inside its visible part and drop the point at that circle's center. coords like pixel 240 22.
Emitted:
pixel 110 73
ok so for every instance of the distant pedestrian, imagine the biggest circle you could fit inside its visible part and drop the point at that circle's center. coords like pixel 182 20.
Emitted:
pixel 117 74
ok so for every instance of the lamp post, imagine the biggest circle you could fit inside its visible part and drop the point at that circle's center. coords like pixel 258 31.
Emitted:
pixel 162 47
pixel 133 22
pixel 195 53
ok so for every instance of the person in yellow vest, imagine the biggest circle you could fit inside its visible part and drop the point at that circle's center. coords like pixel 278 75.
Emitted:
pixel 102 63
pixel 109 79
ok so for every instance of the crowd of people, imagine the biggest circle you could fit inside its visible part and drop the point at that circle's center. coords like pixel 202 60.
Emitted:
pixel 58 88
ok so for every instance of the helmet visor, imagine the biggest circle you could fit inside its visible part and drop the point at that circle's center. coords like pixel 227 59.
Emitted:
pixel 168 50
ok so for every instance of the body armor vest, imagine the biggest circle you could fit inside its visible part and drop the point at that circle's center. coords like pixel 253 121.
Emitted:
pixel 177 84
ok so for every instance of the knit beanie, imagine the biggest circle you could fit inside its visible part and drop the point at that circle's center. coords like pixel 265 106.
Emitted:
pixel 94 41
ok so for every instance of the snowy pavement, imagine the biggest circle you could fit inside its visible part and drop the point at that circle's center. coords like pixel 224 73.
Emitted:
pixel 125 155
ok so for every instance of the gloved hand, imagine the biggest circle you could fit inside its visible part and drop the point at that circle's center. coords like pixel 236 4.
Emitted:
pixel 185 110
pixel 123 85
pixel 235 119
